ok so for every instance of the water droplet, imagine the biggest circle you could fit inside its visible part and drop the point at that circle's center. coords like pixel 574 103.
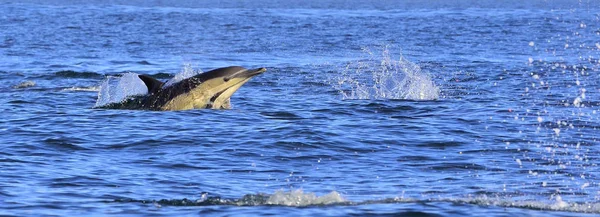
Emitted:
pixel 577 102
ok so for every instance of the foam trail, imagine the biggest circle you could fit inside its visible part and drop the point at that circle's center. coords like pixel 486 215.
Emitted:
pixel 83 89
pixel 298 198
pixel 557 204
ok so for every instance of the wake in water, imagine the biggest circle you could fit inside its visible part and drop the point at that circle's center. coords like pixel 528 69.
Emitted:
pixel 381 77
pixel 279 198
pixel 298 198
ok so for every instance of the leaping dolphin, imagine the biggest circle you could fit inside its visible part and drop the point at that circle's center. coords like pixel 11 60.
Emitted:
pixel 211 89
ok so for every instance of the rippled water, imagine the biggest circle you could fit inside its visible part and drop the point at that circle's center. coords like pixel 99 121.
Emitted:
pixel 418 108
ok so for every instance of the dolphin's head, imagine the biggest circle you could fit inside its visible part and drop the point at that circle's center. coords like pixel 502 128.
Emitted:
pixel 211 89
pixel 233 78
pixel 236 73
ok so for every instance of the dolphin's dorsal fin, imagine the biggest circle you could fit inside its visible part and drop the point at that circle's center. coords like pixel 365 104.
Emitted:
pixel 152 84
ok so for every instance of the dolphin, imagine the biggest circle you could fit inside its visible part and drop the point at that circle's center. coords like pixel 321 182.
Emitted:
pixel 210 90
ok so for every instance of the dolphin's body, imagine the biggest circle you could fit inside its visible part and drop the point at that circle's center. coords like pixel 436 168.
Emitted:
pixel 210 89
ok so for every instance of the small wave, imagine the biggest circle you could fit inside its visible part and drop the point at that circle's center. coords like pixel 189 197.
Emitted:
pixel 58 66
pixel 24 84
pixel 19 102
pixel 63 144
pixel 385 78
pixel 144 62
pixel 281 115
pixel 72 27
pixel 74 74
pixel 134 43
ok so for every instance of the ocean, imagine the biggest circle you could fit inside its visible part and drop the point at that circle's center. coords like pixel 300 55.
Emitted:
pixel 367 108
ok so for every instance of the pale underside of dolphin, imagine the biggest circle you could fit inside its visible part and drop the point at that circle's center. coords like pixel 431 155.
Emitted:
pixel 211 90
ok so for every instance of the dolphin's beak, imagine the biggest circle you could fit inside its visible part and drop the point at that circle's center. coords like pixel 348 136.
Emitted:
pixel 246 74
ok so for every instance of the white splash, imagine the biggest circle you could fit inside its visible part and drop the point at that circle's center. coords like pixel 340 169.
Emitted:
pixel 385 78
pixel 299 198
pixel 116 89
pixel 187 72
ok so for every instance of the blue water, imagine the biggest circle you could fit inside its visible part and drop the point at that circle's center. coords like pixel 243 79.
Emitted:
pixel 414 108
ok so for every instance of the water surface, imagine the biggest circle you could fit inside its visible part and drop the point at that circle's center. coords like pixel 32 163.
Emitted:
pixel 419 108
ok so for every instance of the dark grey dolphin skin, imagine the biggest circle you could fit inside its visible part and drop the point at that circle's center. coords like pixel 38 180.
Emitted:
pixel 211 89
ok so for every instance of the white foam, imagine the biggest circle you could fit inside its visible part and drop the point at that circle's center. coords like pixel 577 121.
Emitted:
pixel 84 89
pixel 299 198
pixel 555 202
